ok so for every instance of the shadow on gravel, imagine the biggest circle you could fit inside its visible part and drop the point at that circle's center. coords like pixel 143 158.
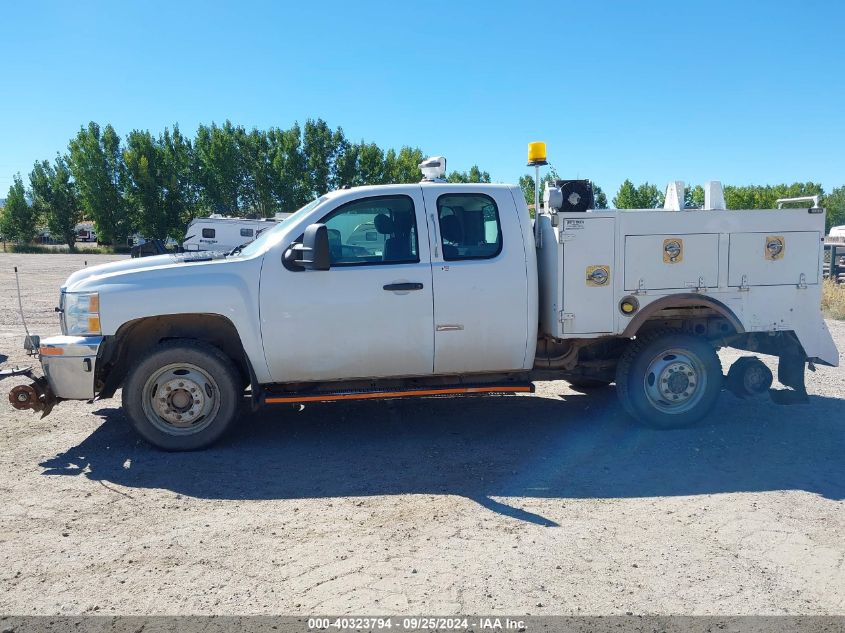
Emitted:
pixel 575 446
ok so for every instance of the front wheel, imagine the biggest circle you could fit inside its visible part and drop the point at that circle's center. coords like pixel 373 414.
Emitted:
pixel 182 395
pixel 669 379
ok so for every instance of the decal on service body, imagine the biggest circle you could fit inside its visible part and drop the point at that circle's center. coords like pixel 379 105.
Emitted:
pixel 673 250
pixel 775 247
pixel 598 275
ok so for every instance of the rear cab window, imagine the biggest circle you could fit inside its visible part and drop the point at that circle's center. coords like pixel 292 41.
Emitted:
pixel 469 226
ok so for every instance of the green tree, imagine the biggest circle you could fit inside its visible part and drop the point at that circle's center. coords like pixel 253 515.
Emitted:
pixel 289 168
pixel 218 167
pixel 600 197
pixel 96 163
pixel 404 166
pixel 526 184
pixel 626 197
pixel 347 171
pixel 646 196
pixel 371 164
pixel 55 199
pixel 694 197
pixel 474 175
pixel 834 202
pixel 19 218
pixel 181 193
pixel 320 147
pixel 765 196
pixel 259 188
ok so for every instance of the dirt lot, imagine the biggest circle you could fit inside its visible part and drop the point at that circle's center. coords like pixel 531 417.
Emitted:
pixel 548 504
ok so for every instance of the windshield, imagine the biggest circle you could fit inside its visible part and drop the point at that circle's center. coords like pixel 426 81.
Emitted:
pixel 258 243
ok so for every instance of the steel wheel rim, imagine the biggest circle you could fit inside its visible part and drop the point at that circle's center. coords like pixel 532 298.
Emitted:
pixel 675 381
pixel 754 379
pixel 181 399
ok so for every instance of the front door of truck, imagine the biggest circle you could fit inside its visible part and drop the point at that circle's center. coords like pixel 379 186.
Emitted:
pixel 370 314
pixel 481 289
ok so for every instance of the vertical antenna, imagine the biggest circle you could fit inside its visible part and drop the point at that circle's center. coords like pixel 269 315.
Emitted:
pixel 20 304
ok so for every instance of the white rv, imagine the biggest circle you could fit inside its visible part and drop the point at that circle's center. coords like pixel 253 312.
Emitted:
pixel 85 232
pixel 220 233
pixel 837 232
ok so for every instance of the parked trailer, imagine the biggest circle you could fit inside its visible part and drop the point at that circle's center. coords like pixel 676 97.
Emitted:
pixel 834 261
pixel 220 233
pixel 85 232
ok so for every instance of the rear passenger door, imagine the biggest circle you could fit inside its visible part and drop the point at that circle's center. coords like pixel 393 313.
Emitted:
pixel 479 279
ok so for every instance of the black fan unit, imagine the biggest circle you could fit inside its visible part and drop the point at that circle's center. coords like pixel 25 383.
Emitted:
pixel 577 195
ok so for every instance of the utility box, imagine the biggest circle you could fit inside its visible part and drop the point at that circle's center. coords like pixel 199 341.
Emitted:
pixel 588 270
pixel 669 262
pixel 774 258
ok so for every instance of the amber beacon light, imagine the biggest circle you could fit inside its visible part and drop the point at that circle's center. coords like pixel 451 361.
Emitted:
pixel 537 154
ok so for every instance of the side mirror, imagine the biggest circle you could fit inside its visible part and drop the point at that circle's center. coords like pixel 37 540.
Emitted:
pixel 313 253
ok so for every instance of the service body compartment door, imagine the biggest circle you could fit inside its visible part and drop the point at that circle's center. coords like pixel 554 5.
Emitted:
pixel 588 269
pixel 669 262
pixel 774 259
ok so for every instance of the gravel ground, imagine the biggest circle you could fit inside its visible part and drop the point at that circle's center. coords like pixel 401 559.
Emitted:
pixel 548 504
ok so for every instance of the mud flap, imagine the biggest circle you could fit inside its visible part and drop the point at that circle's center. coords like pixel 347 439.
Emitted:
pixel 791 363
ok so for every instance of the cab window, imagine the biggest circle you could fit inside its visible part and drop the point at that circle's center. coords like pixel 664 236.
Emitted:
pixel 377 230
pixel 469 226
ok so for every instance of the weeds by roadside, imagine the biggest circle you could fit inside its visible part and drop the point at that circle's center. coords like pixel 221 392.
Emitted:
pixel 833 300
pixel 64 250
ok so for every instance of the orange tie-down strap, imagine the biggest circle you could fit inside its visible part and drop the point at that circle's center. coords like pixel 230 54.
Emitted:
pixel 401 393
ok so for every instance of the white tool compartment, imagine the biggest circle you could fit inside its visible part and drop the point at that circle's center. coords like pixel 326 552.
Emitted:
pixel 774 258
pixel 588 270
pixel 669 262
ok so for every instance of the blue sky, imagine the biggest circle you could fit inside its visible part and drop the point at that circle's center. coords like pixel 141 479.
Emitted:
pixel 746 92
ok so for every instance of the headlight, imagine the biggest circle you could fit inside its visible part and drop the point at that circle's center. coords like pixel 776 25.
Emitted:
pixel 81 313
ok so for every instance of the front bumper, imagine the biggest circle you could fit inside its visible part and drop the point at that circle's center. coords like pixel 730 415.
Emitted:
pixel 69 364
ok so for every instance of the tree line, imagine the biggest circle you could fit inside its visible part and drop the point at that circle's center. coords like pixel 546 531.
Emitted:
pixel 155 184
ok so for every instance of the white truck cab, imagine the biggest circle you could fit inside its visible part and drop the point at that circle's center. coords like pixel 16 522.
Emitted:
pixel 445 289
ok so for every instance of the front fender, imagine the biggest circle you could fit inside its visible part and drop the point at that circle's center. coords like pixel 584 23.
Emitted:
pixel 228 288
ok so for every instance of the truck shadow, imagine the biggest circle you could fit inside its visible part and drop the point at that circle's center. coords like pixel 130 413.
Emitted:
pixel 571 446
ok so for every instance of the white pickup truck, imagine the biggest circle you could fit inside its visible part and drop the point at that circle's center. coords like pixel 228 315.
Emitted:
pixel 438 289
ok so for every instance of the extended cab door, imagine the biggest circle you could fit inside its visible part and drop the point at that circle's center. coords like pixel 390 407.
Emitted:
pixel 481 289
pixel 370 315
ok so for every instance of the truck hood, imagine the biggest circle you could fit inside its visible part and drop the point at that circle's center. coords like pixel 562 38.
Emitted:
pixel 139 263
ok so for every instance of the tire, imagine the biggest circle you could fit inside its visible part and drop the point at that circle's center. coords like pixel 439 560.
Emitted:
pixel 667 379
pixel 749 377
pixel 587 384
pixel 202 395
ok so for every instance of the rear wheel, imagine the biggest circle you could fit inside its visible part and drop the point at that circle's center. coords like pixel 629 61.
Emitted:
pixel 182 395
pixel 669 379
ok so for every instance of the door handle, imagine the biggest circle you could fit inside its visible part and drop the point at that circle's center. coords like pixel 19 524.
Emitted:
pixel 405 286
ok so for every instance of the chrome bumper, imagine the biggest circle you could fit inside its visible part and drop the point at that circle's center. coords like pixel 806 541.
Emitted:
pixel 69 364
